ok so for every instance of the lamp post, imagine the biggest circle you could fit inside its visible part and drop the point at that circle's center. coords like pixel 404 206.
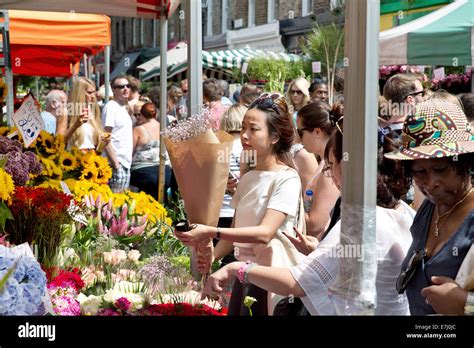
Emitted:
pixel 204 9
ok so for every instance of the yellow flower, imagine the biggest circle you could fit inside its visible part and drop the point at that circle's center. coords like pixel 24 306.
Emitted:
pixel 82 188
pixel 50 169
pixel 47 142
pixel 56 184
pixel 89 173
pixel 6 186
pixel 4 131
pixel 67 161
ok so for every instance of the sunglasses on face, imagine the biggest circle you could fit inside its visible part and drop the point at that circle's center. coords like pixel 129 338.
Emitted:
pixel 296 92
pixel 405 276
pixel 422 92
pixel 301 131
pixel 122 86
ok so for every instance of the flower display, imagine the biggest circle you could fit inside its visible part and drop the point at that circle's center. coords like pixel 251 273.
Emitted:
pixel 180 309
pixel 190 127
pixel 38 215
pixel 6 186
pixel 64 300
pixel 18 164
pixel 24 289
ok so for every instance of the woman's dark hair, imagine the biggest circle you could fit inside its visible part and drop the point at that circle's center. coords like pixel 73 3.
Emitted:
pixel 280 125
pixel 315 84
pixel 148 110
pixel 320 115
pixel 392 180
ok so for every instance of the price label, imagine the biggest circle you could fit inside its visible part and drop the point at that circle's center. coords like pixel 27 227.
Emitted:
pixel 28 120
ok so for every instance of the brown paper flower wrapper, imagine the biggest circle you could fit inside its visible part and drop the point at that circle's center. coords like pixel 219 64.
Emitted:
pixel 201 167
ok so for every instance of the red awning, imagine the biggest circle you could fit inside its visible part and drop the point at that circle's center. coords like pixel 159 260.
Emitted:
pixel 48 43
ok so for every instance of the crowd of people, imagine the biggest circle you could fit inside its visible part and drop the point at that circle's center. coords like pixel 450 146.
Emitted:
pixel 288 202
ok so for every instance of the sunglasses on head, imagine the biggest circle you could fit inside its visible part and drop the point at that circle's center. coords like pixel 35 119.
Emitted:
pixel 267 101
pixel 122 86
pixel 405 276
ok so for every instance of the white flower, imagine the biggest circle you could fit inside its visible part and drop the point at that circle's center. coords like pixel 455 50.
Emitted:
pixel 133 255
pixel 114 257
pixel 136 300
pixel 89 304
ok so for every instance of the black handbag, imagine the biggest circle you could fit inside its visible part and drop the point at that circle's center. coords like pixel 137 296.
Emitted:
pixel 290 307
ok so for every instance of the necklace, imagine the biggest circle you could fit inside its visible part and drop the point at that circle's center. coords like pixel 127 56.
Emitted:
pixel 448 212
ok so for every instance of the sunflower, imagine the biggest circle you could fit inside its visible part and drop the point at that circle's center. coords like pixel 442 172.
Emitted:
pixel 82 187
pixel 47 142
pixel 67 161
pixel 59 143
pixel 6 186
pixel 89 173
pixel 50 169
pixel 104 172
pixel 55 184
pixel 4 131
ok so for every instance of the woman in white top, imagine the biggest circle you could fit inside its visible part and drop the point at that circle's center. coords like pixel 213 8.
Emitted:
pixel 311 279
pixel 82 127
pixel 266 200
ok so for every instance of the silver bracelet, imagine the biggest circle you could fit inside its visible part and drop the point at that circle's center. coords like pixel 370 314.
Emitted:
pixel 247 270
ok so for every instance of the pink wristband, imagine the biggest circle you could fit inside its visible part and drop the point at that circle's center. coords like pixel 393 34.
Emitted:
pixel 241 272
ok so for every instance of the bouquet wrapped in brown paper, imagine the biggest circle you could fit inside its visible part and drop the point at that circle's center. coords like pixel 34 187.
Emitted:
pixel 200 160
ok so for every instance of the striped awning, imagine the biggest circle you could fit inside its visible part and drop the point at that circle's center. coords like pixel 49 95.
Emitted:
pixel 443 37
pixel 219 60
pixel 122 8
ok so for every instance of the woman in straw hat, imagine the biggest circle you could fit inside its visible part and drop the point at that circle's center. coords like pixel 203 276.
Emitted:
pixel 437 151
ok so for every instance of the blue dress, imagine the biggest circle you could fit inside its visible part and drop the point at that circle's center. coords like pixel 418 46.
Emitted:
pixel 446 262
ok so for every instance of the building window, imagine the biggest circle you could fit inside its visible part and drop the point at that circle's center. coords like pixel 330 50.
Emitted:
pixel 124 35
pixel 251 17
pixel 134 32
pixel 117 36
pixel 271 11
pixel 225 10
pixel 142 32
pixel 307 8
pixel 209 18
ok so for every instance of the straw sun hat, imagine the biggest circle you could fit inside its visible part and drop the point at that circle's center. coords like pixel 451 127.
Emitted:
pixel 438 129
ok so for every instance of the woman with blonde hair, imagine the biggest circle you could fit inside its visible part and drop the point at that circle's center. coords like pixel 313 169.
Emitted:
pixel 82 127
pixel 297 95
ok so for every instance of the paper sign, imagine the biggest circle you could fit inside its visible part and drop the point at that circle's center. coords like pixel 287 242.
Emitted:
pixel 439 73
pixel 316 67
pixel 73 210
pixel 28 120
pixel 245 67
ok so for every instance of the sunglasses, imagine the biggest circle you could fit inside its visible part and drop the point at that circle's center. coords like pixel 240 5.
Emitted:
pixel 405 276
pixel 296 92
pixel 422 92
pixel 122 86
pixel 136 114
pixel 267 101
pixel 301 131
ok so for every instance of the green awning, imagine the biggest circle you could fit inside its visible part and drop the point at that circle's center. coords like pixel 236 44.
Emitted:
pixel 220 60
pixel 443 37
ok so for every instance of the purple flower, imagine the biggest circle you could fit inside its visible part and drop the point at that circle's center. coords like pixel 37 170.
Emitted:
pixel 107 312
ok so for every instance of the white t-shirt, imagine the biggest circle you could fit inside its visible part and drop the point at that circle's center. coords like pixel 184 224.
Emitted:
pixel 88 142
pixel 116 116
pixel 251 201
pixel 318 271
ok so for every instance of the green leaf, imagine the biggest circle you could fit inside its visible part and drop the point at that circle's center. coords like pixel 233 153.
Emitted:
pixel 4 280
pixel 5 214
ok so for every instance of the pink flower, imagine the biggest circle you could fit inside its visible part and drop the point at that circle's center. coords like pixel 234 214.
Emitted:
pixel 122 304
pixel 107 312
